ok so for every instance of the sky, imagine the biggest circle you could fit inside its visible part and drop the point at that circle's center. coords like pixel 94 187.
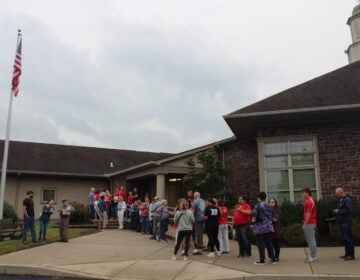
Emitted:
pixel 158 75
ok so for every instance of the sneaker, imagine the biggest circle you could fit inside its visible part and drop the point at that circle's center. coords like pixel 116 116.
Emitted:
pixel 185 258
pixel 196 252
pixel 152 237
pixel 25 243
pixel 274 261
pixel 211 255
pixel 163 240
pixel 218 254
pixel 260 263
pixel 157 237
pixel 173 258
pixel 310 260
pixel 349 258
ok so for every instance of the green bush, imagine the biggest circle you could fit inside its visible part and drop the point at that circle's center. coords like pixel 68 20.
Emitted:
pixel 335 234
pixel 291 213
pixel 229 198
pixel 80 214
pixel 9 212
pixel 293 235
pixel 325 209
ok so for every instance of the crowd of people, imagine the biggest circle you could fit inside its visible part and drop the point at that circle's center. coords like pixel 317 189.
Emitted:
pixel 194 216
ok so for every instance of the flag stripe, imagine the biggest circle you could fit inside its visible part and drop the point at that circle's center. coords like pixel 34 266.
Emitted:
pixel 17 70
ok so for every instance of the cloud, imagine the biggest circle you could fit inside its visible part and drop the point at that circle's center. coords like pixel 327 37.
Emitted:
pixel 158 75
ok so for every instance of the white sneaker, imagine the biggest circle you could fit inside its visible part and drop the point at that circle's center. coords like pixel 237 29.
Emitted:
pixel 173 257
pixel 185 258
pixel 219 254
pixel 310 260
pixel 211 255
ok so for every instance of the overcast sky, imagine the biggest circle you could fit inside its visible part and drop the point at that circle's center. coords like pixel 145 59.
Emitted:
pixel 158 75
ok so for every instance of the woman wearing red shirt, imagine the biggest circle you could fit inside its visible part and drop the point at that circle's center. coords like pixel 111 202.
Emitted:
pixel 223 235
pixel 242 220
pixel 122 192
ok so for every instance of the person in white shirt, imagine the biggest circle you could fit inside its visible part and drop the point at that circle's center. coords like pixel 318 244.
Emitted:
pixel 121 207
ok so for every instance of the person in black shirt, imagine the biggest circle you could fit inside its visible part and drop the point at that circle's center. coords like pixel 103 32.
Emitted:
pixel 29 218
pixel 211 218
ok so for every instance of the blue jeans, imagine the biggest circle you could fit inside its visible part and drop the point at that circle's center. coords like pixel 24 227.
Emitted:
pixel 43 227
pixel 29 223
pixel 346 233
pixel 145 224
pixel 134 220
pixel 242 235
pixel 163 227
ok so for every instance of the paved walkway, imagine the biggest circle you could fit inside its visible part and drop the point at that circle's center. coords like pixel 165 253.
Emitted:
pixel 127 255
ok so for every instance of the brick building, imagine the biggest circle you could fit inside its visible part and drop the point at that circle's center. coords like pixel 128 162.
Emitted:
pixel 306 136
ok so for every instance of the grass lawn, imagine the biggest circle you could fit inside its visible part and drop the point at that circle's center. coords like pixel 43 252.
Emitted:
pixel 52 235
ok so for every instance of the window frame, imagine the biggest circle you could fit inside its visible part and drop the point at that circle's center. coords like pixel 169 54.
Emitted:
pixel 48 189
pixel 263 169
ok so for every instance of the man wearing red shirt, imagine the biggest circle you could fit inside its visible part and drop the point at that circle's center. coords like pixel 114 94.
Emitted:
pixel 223 235
pixel 309 225
pixel 242 220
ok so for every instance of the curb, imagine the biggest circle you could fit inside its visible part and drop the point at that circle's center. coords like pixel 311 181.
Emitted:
pixel 28 270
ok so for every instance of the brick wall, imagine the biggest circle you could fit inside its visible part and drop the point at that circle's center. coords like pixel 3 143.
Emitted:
pixel 339 158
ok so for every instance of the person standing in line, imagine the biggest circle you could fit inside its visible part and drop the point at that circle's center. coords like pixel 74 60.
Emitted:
pixel 113 204
pixel 164 213
pixel 104 211
pixel 44 219
pixel 344 220
pixel 144 216
pixel 122 192
pixel 91 203
pixel 121 208
pixel 64 212
pixel 309 225
pixel 211 218
pixel 184 219
pixel 156 217
pixel 277 227
pixel 241 223
pixel 29 218
pixel 198 206
pixel 263 229
pixel 223 236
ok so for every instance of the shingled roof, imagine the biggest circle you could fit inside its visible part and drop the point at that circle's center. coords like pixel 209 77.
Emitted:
pixel 340 87
pixel 72 160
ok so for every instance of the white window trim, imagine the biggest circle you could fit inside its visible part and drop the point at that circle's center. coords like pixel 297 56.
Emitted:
pixel 50 189
pixel 261 158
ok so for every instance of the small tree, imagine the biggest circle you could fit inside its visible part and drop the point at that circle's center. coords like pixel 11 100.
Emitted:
pixel 208 180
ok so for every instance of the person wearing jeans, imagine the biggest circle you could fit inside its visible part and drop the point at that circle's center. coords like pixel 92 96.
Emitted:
pixel 144 216
pixel 44 219
pixel 277 227
pixel 164 213
pixel 241 222
pixel 29 218
pixel 309 225
pixel 223 235
pixel 344 220
pixel 155 217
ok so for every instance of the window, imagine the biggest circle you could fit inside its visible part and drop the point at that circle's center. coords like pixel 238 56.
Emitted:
pixel 287 165
pixel 48 194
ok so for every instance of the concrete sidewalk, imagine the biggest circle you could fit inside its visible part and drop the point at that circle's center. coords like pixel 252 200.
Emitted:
pixel 127 255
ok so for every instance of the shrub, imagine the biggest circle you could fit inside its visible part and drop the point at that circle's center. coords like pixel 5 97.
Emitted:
pixel 291 213
pixel 294 235
pixel 325 209
pixel 229 198
pixel 9 212
pixel 80 214
pixel 335 234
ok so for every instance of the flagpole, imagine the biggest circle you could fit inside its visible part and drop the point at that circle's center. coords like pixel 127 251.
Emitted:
pixel 6 146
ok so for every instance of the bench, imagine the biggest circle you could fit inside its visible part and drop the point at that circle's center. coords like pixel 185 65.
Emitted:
pixel 10 229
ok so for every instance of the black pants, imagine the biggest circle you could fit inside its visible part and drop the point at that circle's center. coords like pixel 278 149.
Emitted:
pixel 276 244
pixel 212 233
pixel 180 236
pixel 346 232
pixel 242 234
pixel 265 240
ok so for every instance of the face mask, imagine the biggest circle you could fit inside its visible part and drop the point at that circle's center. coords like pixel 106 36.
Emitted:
pixel 31 196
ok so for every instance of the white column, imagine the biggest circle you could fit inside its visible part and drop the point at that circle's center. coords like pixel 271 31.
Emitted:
pixel 160 186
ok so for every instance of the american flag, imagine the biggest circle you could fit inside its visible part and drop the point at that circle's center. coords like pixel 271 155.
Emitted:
pixel 17 69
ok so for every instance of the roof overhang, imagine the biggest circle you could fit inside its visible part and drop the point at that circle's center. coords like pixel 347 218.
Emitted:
pixel 245 125
pixel 56 174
